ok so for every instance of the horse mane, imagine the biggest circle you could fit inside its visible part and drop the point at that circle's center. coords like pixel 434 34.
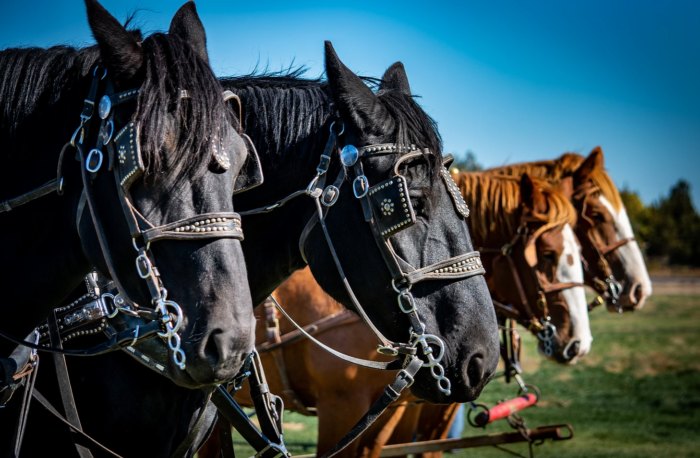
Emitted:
pixel 34 78
pixel 31 78
pixel 562 167
pixel 495 200
pixel 281 110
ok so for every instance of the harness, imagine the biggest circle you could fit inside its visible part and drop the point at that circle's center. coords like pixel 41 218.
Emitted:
pixel 536 320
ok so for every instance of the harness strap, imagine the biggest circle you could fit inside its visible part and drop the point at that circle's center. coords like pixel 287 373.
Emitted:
pixel 29 382
pixel 64 384
pixel 51 409
pixel 45 189
pixel 391 393
pixel 351 359
pixel 195 429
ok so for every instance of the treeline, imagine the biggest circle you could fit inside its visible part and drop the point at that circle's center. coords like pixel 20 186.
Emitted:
pixel 667 230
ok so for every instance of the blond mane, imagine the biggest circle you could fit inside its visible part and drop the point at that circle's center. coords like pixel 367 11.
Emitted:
pixel 564 166
pixel 495 200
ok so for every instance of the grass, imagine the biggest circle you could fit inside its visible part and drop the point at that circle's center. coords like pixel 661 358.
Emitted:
pixel 637 394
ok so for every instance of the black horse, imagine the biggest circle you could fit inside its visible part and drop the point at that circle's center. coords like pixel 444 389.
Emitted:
pixel 175 170
pixel 289 120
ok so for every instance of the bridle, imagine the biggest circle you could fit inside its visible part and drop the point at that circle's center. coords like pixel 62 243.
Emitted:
pixel 387 209
pixel 536 320
pixel 94 311
pixel 120 146
pixel 602 277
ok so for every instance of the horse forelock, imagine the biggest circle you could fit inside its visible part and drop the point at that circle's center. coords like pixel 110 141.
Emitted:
pixel 170 67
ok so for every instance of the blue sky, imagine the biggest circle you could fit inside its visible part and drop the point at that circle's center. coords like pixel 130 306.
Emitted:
pixel 509 80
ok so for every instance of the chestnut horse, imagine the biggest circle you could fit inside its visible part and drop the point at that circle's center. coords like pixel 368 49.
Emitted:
pixel 612 255
pixel 312 381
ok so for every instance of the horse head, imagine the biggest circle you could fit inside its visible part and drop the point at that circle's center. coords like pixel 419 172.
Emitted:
pixel 159 216
pixel 399 232
pixel 616 267
pixel 551 251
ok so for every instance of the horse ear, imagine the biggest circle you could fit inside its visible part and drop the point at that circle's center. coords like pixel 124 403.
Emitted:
pixel 352 96
pixel 566 186
pixel 119 50
pixel 531 196
pixel 593 162
pixel 395 78
pixel 187 25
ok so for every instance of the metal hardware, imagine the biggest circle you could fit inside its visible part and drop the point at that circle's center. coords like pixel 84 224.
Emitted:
pixel 105 107
pixel 94 155
pixel 349 155
pixel 360 186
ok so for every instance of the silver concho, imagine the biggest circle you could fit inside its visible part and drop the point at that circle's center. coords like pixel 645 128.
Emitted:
pixel 349 155
pixel 105 107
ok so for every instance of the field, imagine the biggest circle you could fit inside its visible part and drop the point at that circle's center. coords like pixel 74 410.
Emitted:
pixel 637 394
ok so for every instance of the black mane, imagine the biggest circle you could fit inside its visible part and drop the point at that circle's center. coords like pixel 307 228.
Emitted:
pixel 282 111
pixel 288 109
pixel 32 79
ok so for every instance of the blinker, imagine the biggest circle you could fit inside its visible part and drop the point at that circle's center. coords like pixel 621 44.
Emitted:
pixel 349 155
pixel 391 206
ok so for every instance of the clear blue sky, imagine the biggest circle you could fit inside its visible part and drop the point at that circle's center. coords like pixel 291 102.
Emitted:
pixel 509 80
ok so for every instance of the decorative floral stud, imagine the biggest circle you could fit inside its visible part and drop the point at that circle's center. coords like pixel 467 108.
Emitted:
pixel 387 207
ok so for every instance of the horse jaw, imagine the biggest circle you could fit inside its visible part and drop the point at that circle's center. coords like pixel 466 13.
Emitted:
pixel 636 284
pixel 570 269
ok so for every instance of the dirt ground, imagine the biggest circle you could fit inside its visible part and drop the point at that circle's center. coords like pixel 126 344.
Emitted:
pixel 675 281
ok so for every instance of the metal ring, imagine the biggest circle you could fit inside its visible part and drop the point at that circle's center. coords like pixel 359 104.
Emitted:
pixel 104 72
pixel 106 138
pixel 142 262
pixel 342 129
pixel 362 183
pixel 88 160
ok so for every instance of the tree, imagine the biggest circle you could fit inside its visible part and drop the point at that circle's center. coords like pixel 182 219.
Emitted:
pixel 467 164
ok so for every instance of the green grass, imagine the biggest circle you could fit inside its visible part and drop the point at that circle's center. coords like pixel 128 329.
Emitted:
pixel 637 394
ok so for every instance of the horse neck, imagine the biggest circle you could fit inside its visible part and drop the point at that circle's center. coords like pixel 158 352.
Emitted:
pixel 41 254
pixel 271 243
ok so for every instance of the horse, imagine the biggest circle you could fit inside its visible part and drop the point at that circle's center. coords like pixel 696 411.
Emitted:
pixel 523 229
pixel 338 392
pixel 610 250
pixel 161 200
pixel 290 119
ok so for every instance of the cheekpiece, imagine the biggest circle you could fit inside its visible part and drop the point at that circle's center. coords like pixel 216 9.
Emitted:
pixel 129 161
pixel 391 206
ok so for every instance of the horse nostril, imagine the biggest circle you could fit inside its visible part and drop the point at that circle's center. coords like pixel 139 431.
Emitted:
pixel 217 348
pixel 637 293
pixel 475 370
pixel 572 350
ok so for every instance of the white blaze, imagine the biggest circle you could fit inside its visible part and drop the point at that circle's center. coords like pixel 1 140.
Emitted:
pixel 570 269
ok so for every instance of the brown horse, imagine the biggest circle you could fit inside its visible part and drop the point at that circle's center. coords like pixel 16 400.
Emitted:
pixel 604 230
pixel 530 215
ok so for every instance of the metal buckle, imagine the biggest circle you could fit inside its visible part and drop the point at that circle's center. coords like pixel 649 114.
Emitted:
pixel 409 305
pixel 144 267
pixel 94 155
pixel 330 195
pixel 360 186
